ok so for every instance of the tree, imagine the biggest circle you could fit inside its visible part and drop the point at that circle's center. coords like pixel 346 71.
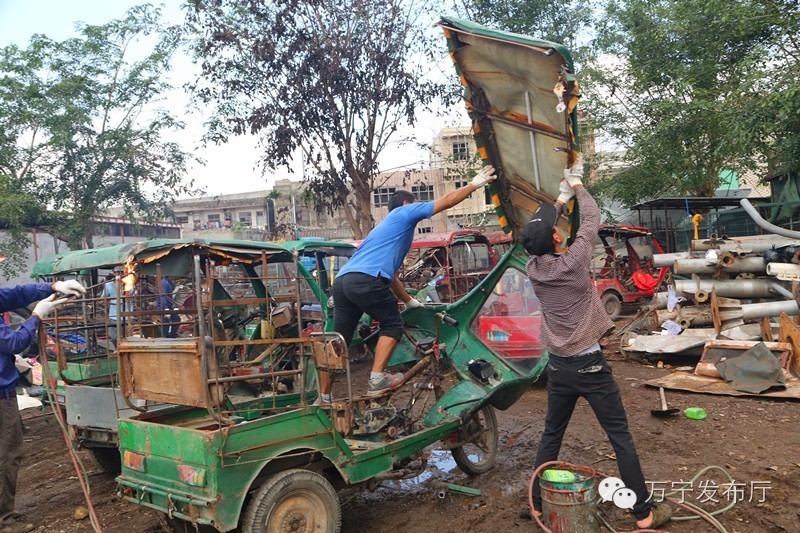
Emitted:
pixel 334 79
pixel 568 22
pixel 683 88
pixel 81 126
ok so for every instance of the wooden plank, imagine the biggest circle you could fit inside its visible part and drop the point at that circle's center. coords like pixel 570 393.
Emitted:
pixel 707 385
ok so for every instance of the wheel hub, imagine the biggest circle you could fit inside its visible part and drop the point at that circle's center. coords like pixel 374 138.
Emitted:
pixel 302 511
pixel 294 522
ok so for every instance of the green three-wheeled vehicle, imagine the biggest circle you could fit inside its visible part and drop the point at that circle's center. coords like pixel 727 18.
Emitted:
pixel 240 438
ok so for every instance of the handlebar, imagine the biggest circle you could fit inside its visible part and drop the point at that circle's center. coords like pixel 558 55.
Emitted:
pixel 447 319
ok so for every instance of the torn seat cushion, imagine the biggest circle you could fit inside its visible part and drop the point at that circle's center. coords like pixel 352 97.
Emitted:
pixel 644 281
pixel 754 371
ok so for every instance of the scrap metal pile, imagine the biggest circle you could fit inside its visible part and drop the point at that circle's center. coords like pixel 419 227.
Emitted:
pixel 728 297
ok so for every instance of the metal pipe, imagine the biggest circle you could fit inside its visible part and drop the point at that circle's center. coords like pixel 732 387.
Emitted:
pixel 781 290
pixel 695 316
pixel 760 310
pixel 735 288
pixel 763 224
pixel 747 245
pixel 667 260
pixel 660 300
pixel 203 345
pixel 246 377
pixel 700 266
pixel 729 313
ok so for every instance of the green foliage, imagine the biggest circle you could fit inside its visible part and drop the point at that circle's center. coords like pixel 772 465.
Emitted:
pixel 686 89
pixel 331 79
pixel 80 124
pixel 568 22
pixel 18 211
pixel 692 88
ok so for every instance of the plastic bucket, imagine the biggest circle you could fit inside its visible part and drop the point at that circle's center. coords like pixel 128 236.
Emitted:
pixel 267 330
pixel 571 507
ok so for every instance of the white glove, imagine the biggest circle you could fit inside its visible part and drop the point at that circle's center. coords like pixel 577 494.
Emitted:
pixel 565 192
pixel 413 303
pixel 69 288
pixel 574 175
pixel 484 176
pixel 45 307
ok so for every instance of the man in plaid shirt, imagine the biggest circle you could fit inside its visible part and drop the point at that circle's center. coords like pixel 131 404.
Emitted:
pixel 573 322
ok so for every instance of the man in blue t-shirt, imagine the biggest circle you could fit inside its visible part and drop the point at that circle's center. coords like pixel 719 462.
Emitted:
pixel 368 281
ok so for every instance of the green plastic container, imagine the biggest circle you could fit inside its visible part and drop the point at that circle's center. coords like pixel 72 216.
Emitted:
pixel 249 331
pixel 559 476
pixel 695 413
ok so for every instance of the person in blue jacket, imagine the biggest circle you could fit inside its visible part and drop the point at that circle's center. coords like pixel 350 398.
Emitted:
pixel 11 343
pixel 172 321
pixel 368 282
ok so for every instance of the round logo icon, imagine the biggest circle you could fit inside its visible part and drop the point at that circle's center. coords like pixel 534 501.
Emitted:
pixel 608 486
pixel 624 498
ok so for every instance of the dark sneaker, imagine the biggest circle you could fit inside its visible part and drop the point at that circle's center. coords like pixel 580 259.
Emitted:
pixel 386 383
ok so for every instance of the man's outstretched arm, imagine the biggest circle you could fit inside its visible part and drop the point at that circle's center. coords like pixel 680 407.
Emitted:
pixel 484 176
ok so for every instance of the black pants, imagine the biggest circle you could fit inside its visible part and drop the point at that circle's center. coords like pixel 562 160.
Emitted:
pixel 355 294
pixel 589 376
pixel 10 451
pixel 170 325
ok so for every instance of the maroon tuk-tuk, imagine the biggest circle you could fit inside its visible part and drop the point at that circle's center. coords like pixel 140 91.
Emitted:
pixel 623 269
pixel 443 267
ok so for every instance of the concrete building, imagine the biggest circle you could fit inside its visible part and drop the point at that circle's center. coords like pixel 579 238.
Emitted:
pixel 273 214
pixel 109 231
pixel 267 214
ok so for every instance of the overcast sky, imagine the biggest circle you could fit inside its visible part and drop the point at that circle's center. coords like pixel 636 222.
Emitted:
pixel 230 168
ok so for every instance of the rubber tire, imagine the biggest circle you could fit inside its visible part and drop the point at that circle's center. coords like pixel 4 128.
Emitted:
pixel 106 459
pixel 612 304
pixel 282 486
pixel 461 455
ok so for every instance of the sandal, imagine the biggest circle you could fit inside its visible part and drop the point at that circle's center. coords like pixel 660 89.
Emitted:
pixel 661 515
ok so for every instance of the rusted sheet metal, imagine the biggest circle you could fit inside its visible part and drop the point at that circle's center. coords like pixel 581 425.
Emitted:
pixel 706 385
pixel 166 370
pixel 789 332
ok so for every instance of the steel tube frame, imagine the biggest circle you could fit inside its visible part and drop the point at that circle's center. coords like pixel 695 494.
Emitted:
pixel 738 288
pixel 763 224
pixel 700 266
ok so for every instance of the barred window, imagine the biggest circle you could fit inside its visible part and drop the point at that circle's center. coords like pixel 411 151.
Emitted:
pixel 423 193
pixel 381 196
pixel 460 151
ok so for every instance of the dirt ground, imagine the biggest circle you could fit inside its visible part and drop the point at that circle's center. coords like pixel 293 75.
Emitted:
pixel 756 440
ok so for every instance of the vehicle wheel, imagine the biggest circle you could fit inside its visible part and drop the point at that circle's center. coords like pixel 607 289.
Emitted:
pixel 477 457
pixel 612 304
pixel 294 500
pixel 106 459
